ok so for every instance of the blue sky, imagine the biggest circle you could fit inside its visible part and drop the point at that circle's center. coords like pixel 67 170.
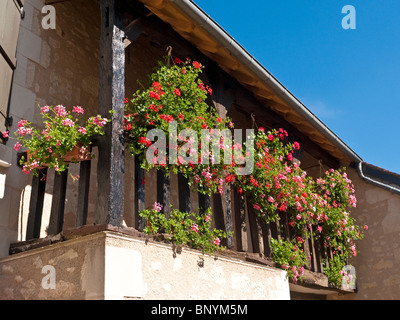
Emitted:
pixel 349 78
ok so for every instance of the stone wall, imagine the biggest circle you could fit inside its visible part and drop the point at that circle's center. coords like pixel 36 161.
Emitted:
pixel 54 66
pixel 377 263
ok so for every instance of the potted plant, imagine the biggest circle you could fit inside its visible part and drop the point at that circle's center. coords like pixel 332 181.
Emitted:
pixel 64 137
pixel 177 96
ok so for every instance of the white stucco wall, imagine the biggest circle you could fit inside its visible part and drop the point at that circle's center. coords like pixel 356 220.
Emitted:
pixel 109 265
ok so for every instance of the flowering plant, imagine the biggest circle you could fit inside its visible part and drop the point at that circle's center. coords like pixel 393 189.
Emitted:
pixel 315 208
pixel 175 102
pixel 63 130
pixel 193 229
pixel 290 256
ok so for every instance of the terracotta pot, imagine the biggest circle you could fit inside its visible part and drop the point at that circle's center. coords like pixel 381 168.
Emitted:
pixel 73 155
pixel 76 155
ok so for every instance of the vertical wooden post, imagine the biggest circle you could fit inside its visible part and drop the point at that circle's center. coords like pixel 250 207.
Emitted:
pixel 58 203
pixel 36 205
pixel 83 196
pixel 240 221
pixel 139 194
pixel 163 192
pixel 227 212
pixel 110 169
pixel 204 201
pixel 184 193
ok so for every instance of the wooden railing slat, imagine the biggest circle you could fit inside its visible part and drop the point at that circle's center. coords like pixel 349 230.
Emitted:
pixel 58 203
pixel 83 193
pixel 183 194
pixel 139 194
pixel 36 205
pixel 164 192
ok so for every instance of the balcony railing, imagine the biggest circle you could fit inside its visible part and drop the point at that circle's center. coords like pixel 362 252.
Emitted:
pixel 231 212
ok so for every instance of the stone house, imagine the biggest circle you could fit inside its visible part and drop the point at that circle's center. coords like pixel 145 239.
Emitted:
pixel 60 240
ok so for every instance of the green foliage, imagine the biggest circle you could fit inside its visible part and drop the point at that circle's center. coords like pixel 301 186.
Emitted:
pixel 193 229
pixel 290 256
pixel 176 96
pixel 61 131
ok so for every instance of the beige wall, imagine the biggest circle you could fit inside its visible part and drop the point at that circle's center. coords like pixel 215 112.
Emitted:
pixel 57 66
pixel 377 263
pixel 108 265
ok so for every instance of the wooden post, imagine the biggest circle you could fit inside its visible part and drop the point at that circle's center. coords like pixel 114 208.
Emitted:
pixel 184 193
pixel 110 169
pixel 227 212
pixel 83 196
pixel 36 205
pixel 240 221
pixel 58 203
pixel 139 194
pixel 204 201
pixel 163 192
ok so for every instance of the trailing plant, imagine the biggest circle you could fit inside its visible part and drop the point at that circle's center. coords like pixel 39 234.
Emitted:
pixel 290 256
pixel 61 131
pixel 315 208
pixel 175 102
pixel 193 229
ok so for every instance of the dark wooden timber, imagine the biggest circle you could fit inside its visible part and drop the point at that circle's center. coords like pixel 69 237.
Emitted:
pixel 163 192
pixel 110 169
pixel 83 195
pixel 204 201
pixel 184 193
pixel 227 213
pixel 36 205
pixel 240 221
pixel 58 203
pixel 139 194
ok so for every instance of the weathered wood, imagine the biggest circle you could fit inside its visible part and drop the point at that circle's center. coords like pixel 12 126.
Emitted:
pixel 267 236
pixel 314 264
pixel 204 201
pixel 255 231
pixel 36 205
pixel 164 192
pixel 139 194
pixel 227 214
pixel 307 251
pixel 110 169
pixel 36 243
pixel 83 193
pixel 58 202
pixel 240 222
pixel 183 193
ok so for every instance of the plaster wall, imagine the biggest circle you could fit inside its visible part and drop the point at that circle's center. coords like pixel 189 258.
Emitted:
pixel 109 265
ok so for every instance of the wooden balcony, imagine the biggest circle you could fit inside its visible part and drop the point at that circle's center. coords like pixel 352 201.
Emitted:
pixel 231 212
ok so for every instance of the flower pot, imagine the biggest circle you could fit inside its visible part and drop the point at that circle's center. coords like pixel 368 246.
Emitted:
pixel 75 154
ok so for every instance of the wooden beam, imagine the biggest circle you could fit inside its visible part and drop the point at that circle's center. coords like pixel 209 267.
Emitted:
pixel 36 205
pixel 163 192
pixel 139 194
pixel 83 195
pixel 184 193
pixel 227 213
pixel 110 169
pixel 58 203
